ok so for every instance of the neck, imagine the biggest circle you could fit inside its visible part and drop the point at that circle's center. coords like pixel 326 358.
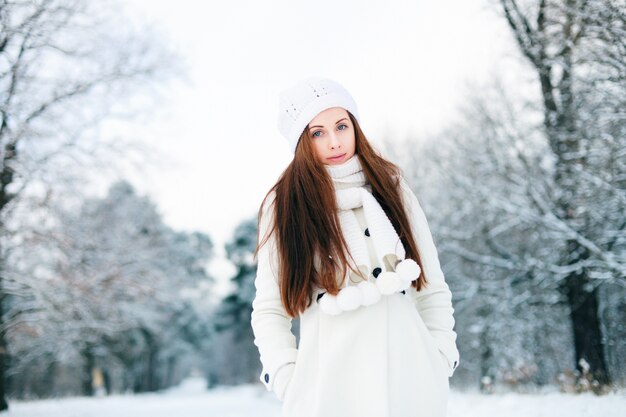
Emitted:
pixel 350 166
pixel 348 174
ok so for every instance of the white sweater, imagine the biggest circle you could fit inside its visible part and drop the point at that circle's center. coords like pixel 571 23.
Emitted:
pixel 391 359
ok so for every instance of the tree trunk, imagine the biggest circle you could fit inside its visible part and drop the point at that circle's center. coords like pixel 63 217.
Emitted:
pixel 560 122
pixel 3 349
pixel 486 360
pixel 87 386
pixel 6 178
pixel 588 346
pixel 583 301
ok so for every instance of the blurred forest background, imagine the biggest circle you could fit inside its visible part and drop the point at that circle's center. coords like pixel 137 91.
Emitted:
pixel 525 195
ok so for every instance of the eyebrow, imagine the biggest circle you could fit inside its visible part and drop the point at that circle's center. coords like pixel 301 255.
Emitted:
pixel 345 118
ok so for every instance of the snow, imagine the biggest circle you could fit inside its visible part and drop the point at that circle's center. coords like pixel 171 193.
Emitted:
pixel 536 405
pixel 192 399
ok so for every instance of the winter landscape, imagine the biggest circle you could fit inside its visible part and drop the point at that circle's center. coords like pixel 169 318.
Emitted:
pixel 138 139
pixel 191 399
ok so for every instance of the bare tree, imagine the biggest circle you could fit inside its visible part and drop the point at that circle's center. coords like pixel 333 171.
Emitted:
pixel 476 178
pixel 488 181
pixel 65 67
pixel 565 41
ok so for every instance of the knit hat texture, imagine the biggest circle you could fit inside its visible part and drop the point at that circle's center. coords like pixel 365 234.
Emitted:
pixel 301 102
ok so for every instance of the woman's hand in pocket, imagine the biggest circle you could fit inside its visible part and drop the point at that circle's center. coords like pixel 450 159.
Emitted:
pixel 282 379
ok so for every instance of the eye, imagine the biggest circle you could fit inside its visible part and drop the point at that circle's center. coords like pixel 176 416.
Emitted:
pixel 314 134
pixel 346 126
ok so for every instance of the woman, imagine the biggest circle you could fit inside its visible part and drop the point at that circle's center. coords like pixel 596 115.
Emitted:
pixel 344 244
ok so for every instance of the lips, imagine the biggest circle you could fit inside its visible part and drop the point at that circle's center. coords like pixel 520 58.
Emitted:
pixel 338 157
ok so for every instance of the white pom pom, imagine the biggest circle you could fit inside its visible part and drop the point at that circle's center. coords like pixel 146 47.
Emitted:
pixel 404 285
pixel 371 294
pixel 408 270
pixel 349 298
pixel 388 282
pixel 328 304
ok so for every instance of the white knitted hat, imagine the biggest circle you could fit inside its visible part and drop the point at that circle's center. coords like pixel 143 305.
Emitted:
pixel 300 103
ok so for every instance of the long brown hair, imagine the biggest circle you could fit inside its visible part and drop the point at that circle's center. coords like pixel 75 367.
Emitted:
pixel 305 218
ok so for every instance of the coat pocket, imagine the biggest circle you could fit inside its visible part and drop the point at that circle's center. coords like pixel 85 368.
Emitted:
pixel 441 357
pixel 282 379
pixel 287 390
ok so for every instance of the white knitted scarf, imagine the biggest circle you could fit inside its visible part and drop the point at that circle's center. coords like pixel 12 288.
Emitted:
pixel 352 191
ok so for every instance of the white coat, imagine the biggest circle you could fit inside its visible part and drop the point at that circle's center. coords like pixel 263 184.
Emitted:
pixel 390 359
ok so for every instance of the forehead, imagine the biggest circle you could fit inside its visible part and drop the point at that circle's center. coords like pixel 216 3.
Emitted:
pixel 329 116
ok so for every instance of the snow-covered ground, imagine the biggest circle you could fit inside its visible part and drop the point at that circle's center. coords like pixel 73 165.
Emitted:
pixel 191 399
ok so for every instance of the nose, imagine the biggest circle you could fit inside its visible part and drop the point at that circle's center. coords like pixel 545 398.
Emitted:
pixel 333 140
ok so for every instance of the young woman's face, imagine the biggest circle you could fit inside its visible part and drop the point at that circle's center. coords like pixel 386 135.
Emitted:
pixel 332 135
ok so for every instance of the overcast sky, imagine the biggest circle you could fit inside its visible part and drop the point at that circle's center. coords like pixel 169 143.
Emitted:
pixel 404 62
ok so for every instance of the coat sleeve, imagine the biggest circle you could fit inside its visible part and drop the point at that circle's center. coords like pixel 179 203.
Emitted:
pixel 434 301
pixel 270 322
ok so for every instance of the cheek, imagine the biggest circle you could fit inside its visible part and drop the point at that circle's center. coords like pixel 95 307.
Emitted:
pixel 317 146
pixel 350 138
